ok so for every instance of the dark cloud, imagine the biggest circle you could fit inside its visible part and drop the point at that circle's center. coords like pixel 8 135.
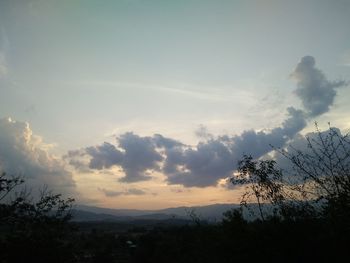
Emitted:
pixel 136 155
pixel 163 142
pixel 259 143
pixel 23 153
pixel 104 156
pixel 217 158
pixel 315 91
pixel 140 155
pixel 131 191
pixel 200 166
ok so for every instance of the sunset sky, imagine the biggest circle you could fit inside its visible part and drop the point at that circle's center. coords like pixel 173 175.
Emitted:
pixel 150 104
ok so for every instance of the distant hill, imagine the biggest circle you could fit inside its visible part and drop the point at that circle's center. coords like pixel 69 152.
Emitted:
pixel 82 215
pixel 91 213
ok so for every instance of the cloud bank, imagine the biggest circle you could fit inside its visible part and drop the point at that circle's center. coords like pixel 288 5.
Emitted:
pixel 24 154
pixel 217 158
pixel 213 158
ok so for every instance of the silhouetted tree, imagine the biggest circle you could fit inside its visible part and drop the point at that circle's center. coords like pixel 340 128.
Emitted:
pixel 31 230
pixel 317 183
pixel 262 180
pixel 323 171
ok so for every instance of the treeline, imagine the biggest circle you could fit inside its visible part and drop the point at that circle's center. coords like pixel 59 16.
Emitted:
pixel 235 240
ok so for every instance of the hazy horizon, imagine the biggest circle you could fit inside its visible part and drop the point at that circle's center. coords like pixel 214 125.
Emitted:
pixel 150 104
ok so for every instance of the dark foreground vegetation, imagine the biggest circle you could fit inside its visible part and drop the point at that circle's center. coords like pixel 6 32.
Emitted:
pixel 298 216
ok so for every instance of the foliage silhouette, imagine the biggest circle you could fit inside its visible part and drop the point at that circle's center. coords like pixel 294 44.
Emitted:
pixel 31 230
pixel 317 184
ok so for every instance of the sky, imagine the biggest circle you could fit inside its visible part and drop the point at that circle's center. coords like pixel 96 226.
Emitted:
pixel 150 104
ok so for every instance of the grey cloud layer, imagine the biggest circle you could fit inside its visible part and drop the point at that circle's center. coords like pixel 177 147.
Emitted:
pixel 217 158
pixel 22 153
pixel 214 158
pixel 315 91
pixel 200 166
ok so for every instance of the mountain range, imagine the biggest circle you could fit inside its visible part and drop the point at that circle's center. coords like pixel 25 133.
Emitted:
pixel 212 213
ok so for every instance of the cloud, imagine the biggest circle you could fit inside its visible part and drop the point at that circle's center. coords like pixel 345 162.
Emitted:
pixel 78 160
pixel 167 143
pixel 315 91
pixel 215 158
pixel 110 193
pixel 203 133
pixel 104 156
pixel 201 166
pixel 25 154
pixel 137 156
pixel 4 46
pixel 135 191
pixel 131 191
pixel 345 58
pixel 3 65
pixel 259 143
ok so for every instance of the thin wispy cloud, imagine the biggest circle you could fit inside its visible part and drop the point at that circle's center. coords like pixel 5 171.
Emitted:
pixel 218 94
pixel 130 191
pixel 4 46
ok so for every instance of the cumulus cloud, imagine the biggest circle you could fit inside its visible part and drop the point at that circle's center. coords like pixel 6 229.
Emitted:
pixel 131 191
pixel 25 154
pixel 104 156
pixel 316 92
pixel 200 166
pixel 137 156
